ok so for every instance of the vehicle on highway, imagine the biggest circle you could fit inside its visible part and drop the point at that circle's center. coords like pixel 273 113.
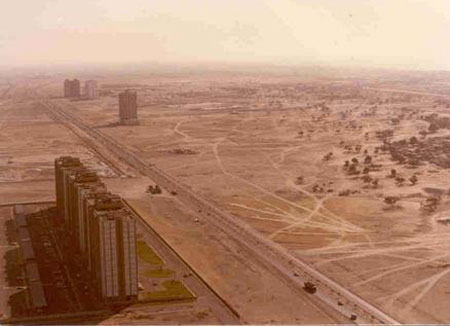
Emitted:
pixel 310 287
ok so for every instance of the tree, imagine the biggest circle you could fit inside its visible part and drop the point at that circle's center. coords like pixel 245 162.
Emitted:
pixel 346 164
pixel 355 160
pixel 368 159
pixel 393 173
pixel 352 169
pixel 328 156
pixel 413 140
pixel 399 181
pixel 375 183
pixel 413 179
pixel 299 180
pixel 391 200
pixel 366 170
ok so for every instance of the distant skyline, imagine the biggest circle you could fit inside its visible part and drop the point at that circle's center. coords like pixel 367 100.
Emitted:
pixel 408 34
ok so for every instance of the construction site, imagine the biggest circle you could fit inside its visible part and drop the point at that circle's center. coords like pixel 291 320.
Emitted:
pixel 246 191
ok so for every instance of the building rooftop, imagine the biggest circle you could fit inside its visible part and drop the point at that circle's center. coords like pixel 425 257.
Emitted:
pixel 67 161
pixel 86 176
pixel 121 214
pixel 107 202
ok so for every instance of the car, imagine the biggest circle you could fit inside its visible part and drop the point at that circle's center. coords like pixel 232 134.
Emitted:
pixel 310 287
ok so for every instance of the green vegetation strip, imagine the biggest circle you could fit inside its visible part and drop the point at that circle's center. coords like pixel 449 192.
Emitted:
pixel 147 254
pixel 174 291
pixel 161 272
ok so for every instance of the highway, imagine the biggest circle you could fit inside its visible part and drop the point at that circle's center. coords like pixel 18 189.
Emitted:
pixel 405 91
pixel 294 271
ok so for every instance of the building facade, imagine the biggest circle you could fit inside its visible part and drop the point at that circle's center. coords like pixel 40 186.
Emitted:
pixel 128 108
pixel 99 227
pixel 113 261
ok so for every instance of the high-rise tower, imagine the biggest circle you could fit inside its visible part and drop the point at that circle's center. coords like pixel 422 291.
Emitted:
pixel 128 108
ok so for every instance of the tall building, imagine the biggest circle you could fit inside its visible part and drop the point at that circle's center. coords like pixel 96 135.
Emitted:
pixel 72 88
pixel 128 108
pixel 63 165
pixel 67 88
pixel 76 88
pixel 99 228
pixel 90 89
pixel 113 260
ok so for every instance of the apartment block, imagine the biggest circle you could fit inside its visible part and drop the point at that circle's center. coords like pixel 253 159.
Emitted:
pixel 128 108
pixel 90 89
pixel 72 88
pixel 100 228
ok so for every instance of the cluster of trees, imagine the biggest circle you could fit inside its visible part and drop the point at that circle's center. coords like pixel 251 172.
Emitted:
pixel 429 205
pixel 350 149
pixel 400 180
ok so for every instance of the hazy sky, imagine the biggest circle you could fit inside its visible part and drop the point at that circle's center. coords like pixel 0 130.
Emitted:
pixel 404 33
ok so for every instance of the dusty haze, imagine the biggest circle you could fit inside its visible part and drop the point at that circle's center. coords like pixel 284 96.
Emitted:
pixel 407 34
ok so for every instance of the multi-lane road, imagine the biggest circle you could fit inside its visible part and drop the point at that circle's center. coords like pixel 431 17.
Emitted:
pixel 294 271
